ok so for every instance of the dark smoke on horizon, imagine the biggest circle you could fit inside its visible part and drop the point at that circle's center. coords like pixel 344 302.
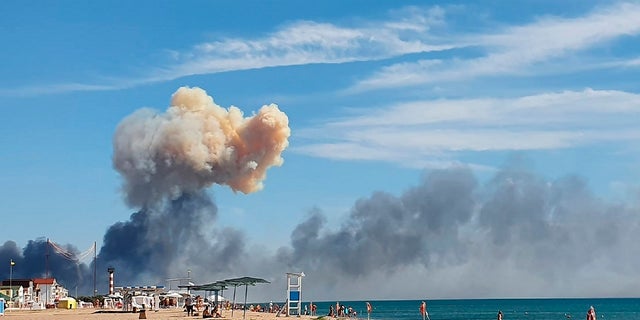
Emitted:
pixel 516 235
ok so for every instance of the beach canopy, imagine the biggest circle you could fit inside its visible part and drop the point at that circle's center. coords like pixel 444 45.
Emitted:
pixel 214 286
pixel 246 281
pixel 223 284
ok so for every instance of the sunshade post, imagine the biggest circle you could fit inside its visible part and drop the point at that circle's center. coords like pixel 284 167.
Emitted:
pixel 246 289
pixel 234 299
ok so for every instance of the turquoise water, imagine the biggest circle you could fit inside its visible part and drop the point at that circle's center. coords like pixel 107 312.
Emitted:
pixel 512 309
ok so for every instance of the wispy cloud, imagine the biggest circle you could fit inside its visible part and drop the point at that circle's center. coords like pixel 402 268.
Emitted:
pixel 408 132
pixel 516 48
pixel 302 42
pixel 408 31
pixel 310 42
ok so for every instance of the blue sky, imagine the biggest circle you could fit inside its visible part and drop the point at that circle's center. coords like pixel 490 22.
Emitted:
pixel 378 94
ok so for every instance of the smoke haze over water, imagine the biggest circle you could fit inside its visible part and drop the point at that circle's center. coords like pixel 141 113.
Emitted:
pixel 451 235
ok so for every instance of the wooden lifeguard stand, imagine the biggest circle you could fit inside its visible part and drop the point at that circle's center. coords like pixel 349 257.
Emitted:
pixel 294 293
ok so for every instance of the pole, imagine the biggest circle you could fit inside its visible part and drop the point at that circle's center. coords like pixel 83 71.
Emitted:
pixel 11 264
pixel 234 299
pixel 95 265
pixel 46 261
pixel 244 313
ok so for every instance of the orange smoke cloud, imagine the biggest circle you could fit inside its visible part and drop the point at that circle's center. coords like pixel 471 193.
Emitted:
pixel 195 144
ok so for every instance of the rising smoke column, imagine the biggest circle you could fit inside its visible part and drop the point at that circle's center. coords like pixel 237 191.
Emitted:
pixel 167 160
pixel 195 144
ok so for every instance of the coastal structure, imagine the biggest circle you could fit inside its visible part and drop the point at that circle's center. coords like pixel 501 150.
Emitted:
pixel 38 293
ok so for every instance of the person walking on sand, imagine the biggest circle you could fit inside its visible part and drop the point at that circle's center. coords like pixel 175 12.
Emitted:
pixel 591 314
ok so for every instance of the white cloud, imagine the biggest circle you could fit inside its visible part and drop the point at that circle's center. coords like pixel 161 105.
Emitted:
pixel 309 42
pixel 515 49
pixel 298 43
pixel 437 129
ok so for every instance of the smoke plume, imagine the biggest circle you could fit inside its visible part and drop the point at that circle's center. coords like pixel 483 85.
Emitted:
pixel 195 144
pixel 167 161
pixel 516 234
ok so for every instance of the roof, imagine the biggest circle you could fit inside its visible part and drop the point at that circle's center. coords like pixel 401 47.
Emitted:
pixel 44 281
pixel 16 282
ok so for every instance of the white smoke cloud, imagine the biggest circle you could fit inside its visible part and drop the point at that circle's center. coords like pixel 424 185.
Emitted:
pixel 195 144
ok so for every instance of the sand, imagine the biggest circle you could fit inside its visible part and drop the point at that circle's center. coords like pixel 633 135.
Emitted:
pixel 98 314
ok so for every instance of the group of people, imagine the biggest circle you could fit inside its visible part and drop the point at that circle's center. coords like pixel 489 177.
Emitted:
pixel 189 306
pixel 342 311
pixel 591 314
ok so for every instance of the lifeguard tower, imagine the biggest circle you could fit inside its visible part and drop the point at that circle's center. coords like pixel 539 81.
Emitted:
pixel 294 293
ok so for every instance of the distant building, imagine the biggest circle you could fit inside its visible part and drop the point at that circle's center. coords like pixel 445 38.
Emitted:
pixel 17 292
pixel 34 293
pixel 27 289
pixel 48 291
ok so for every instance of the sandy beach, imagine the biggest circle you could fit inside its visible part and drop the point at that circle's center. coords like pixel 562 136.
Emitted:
pixel 99 314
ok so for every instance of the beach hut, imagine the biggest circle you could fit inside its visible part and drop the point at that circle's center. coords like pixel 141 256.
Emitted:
pixel 67 303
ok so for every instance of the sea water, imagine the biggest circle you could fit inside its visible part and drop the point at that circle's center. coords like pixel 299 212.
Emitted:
pixel 512 309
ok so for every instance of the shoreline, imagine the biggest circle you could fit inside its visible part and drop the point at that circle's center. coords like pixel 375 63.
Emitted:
pixel 107 314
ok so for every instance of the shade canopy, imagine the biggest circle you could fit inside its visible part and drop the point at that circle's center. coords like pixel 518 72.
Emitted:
pixel 245 281
pixel 233 282
pixel 214 286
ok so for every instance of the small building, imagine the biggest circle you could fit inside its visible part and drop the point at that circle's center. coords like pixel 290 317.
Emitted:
pixel 67 303
pixel 47 291
pixel 17 292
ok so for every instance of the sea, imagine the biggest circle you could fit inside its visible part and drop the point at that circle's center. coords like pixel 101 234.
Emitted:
pixel 512 309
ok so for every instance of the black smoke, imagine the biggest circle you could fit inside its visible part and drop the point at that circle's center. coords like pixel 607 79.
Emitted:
pixel 165 241
pixel 452 235
pixel 38 259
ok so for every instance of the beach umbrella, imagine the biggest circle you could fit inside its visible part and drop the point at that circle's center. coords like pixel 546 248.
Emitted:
pixel 246 281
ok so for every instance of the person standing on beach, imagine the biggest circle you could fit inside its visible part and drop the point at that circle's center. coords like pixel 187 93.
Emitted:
pixel 591 313
pixel 369 309
pixel 188 303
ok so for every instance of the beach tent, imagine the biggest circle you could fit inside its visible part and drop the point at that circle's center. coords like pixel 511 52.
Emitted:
pixel 174 295
pixel 216 297
pixel 246 281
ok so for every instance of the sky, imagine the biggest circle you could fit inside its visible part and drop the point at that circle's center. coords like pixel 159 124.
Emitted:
pixel 456 149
